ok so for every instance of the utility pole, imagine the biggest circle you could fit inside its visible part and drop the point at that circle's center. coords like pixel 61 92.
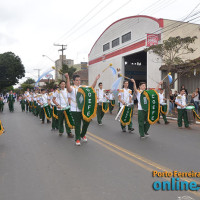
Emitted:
pixel 62 49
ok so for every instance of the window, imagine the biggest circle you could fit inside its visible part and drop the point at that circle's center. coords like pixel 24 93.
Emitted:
pixel 106 46
pixel 115 42
pixel 126 37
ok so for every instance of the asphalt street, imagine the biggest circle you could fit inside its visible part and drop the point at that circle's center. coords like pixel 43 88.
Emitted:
pixel 37 164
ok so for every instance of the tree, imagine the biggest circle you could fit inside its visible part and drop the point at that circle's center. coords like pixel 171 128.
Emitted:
pixel 172 52
pixel 11 69
pixel 50 85
pixel 69 70
pixel 29 83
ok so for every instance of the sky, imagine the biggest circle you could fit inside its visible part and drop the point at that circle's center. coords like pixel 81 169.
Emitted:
pixel 30 28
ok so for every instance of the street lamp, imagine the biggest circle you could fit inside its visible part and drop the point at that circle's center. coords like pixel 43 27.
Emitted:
pixel 49 58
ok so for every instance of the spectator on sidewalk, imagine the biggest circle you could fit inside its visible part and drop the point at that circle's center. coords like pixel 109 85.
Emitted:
pixel 171 102
pixel 195 100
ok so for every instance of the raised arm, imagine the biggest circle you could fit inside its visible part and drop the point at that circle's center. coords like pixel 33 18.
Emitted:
pixel 160 83
pixel 134 86
pixel 69 89
pixel 95 82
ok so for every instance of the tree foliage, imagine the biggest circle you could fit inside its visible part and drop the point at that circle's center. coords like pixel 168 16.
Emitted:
pixel 29 83
pixel 69 70
pixel 11 69
pixel 173 50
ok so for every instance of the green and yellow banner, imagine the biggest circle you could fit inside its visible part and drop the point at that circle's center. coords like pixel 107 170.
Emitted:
pixel 150 102
pixel 126 115
pixel 163 109
pixel 112 102
pixel 1 128
pixel 105 107
pixel 69 119
pixel 86 99
pixel 47 112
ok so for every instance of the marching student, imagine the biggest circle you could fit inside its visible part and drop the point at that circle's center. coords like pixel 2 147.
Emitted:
pixel 43 100
pixel 23 102
pixel 11 101
pixel 100 99
pixel 54 115
pixel 76 112
pixel 60 99
pixel 125 98
pixel 162 104
pixel 1 104
pixel 181 107
pixel 142 115
pixel 26 94
pixel 112 101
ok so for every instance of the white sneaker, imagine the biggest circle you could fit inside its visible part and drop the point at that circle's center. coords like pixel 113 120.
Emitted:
pixel 78 143
pixel 100 124
pixel 84 139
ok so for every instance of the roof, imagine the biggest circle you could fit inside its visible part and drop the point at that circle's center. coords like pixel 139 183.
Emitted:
pixel 192 64
pixel 159 21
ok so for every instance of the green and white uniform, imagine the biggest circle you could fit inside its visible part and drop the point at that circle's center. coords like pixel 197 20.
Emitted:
pixel 111 98
pixel 142 117
pixel 62 100
pixel 43 101
pixel 77 115
pixel 54 113
pixel 11 101
pixel 182 113
pixel 161 100
pixel 125 95
pixel 100 99
pixel 26 95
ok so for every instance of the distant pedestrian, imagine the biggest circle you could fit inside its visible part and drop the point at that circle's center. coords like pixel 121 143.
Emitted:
pixel 171 102
pixel 195 100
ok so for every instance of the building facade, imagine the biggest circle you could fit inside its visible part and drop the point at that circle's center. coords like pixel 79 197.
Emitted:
pixel 124 42
pixel 62 61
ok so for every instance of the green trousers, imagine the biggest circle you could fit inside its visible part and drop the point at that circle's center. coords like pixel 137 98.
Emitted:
pixel 23 106
pixel 182 114
pixel 1 106
pixel 11 106
pixel 130 126
pixel 27 106
pixel 37 110
pixel 78 132
pixel 110 108
pixel 54 120
pixel 100 114
pixel 164 117
pixel 143 123
pixel 42 115
pixel 61 119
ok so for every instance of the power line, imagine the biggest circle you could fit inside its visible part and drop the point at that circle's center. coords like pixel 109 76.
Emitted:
pixel 81 20
pixel 103 19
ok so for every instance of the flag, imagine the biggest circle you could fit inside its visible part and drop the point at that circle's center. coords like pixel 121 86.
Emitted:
pixel 114 71
pixel 116 85
pixel 170 78
pixel 44 74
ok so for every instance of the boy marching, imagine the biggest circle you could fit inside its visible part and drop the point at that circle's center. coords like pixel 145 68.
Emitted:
pixel 76 112
pixel 125 98
pixel 181 107
pixel 60 99
pixel 142 115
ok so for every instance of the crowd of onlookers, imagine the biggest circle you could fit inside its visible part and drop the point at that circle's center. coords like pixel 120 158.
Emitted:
pixel 192 99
